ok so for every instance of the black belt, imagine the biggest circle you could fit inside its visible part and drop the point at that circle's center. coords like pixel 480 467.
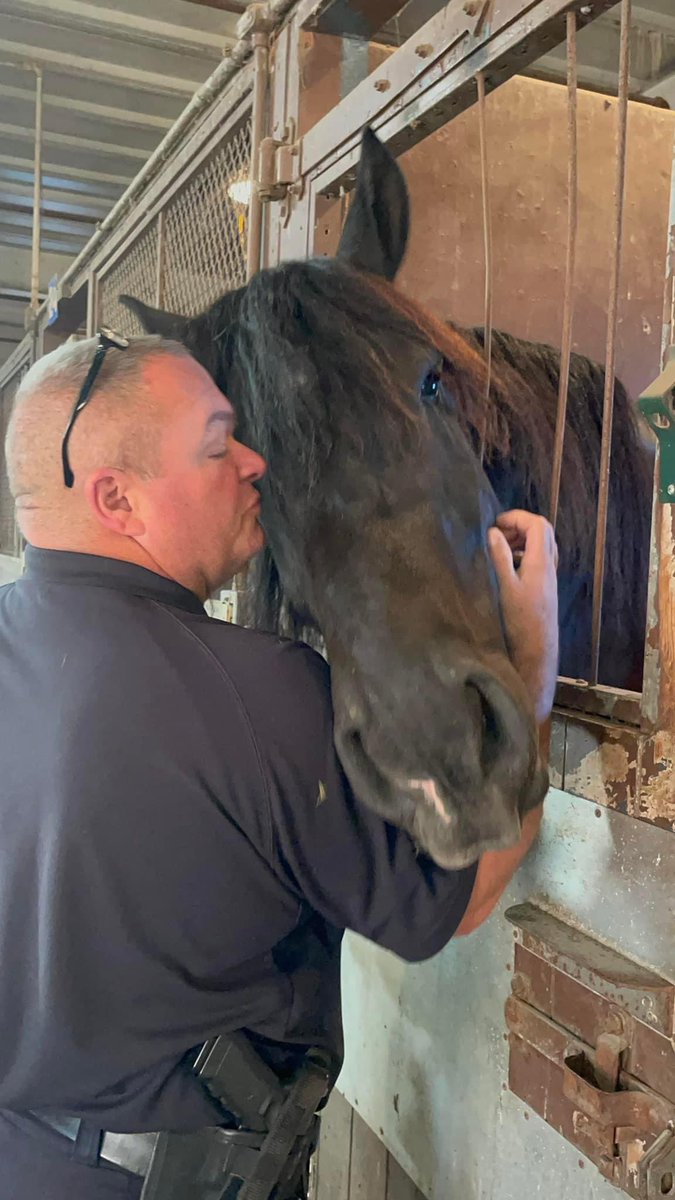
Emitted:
pixel 132 1151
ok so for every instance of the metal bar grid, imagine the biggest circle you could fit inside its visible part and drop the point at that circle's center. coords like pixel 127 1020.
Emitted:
pixel 206 229
pixel 135 273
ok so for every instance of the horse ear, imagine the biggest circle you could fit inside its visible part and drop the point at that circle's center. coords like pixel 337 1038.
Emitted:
pixel 156 320
pixel 375 234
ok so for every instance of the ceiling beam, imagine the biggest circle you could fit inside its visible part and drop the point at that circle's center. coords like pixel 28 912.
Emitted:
pixel 86 145
pixel 15 266
pixel 91 206
pixel 103 112
pixel 95 68
pixel 125 26
pixel 14 204
pixel 12 237
pixel 55 173
pixel 20 219
pixel 17 295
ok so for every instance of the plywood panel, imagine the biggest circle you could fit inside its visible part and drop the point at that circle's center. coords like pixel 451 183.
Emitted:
pixel 368 1169
pixel 334 1157
pixel 399 1185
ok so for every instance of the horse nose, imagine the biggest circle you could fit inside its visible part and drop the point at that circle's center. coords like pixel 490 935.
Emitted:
pixel 504 727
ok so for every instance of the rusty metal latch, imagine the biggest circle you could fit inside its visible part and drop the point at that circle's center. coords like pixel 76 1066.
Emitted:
pixel 592 1050
pixel 657 405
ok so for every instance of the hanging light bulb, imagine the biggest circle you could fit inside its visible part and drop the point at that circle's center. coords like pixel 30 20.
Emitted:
pixel 239 191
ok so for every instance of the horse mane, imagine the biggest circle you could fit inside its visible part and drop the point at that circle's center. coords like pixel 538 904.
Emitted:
pixel 528 443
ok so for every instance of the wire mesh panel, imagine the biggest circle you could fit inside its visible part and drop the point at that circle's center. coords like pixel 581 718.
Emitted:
pixel 205 229
pixel 136 274
pixel 9 536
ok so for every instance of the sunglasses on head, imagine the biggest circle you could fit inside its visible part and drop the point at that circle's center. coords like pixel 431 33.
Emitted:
pixel 107 340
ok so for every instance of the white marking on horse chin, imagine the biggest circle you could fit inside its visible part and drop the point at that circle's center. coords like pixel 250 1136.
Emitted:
pixel 430 792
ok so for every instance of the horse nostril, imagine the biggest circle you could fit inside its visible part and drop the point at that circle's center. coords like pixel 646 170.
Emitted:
pixel 491 731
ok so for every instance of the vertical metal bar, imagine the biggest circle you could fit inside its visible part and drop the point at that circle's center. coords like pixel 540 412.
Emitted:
pixel 258 116
pixel 92 303
pixel 610 361
pixel 37 197
pixel 570 263
pixel 161 254
pixel 487 241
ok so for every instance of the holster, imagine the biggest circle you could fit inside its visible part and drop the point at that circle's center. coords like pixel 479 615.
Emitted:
pixel 266 1156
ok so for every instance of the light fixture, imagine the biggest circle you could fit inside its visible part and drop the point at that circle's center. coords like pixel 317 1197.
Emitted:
pixel 239 191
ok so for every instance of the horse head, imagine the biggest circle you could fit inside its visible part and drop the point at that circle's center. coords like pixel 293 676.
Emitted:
pixel 376 510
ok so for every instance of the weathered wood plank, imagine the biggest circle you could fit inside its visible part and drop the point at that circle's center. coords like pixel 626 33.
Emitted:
pixel 399 1185
pixel 368 1168
pixel 334 1154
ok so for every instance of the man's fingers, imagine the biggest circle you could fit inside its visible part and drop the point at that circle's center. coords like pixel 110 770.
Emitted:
pixel 530 533
pixel 502 556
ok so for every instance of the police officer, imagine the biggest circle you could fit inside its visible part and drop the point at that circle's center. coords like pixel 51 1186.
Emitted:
pixel 166 870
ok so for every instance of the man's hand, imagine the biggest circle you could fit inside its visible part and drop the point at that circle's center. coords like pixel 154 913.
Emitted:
pixel 529 598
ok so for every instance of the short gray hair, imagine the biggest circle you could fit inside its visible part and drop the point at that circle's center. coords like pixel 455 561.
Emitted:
pixel 66 369
pixel 47 394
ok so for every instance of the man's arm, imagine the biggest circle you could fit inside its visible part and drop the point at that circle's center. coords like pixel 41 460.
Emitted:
pixel 529 597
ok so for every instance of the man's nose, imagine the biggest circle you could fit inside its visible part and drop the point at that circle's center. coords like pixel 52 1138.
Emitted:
pixel 252 466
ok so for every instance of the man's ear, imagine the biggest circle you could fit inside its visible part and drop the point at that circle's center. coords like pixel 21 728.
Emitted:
pixel 375 233
pixel 110 498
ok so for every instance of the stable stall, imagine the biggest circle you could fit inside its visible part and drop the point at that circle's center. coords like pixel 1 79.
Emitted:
pixel 537 1058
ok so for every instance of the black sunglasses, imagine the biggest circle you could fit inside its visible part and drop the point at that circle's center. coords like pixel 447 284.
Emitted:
pixel 106 340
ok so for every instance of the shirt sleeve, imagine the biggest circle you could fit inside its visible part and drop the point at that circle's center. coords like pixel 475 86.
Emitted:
pixel 344 860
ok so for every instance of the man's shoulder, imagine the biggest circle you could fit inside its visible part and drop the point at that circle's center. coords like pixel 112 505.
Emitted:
pixel 263 658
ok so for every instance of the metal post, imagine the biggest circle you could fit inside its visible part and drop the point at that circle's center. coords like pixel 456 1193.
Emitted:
pixel 258 115
pixel 37 197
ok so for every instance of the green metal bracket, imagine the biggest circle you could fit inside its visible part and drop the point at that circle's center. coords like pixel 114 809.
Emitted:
pixel 657 405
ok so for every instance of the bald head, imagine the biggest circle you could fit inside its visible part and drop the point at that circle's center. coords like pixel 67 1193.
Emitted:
pixel 118 428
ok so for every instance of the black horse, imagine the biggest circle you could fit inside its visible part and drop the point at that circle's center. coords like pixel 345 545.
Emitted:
pixel 376 511
pixel 519 455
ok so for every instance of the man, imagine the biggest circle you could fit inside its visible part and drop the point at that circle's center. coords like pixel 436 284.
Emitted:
pixel 165 869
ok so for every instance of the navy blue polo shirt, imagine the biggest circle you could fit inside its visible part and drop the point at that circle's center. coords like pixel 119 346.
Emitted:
pixel 179 849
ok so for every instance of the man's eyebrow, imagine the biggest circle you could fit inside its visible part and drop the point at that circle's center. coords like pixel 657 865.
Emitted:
pixel 228 419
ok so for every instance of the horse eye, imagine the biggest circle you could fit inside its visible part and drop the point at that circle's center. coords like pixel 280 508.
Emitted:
pixel 431 387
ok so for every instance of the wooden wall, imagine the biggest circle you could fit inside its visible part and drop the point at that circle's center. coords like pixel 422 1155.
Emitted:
pixel 352 1163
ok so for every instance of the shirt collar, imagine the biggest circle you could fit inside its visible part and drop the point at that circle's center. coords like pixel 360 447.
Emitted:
pixel 91 570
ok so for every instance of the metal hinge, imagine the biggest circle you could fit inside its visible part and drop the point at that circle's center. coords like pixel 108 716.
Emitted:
pixel 279 166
